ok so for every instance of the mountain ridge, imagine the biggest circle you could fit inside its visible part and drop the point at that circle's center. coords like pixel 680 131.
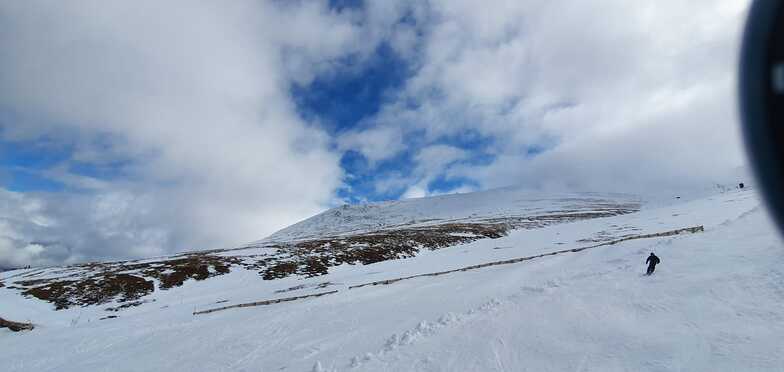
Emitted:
pixel 508 202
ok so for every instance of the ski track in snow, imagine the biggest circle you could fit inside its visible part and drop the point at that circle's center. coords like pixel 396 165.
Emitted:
pixel 721 345
pixel 427 328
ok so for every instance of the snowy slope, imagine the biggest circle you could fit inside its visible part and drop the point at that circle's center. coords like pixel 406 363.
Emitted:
pixel 715 303
pixel 326 243
pixel 482 206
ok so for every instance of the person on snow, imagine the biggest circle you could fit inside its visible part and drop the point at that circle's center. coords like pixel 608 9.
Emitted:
pixel 652 261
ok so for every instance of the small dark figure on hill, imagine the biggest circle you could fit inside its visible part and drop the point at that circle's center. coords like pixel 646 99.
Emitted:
pixel 652 261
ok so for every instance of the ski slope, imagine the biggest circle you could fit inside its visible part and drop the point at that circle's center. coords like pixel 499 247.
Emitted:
pixel 715 303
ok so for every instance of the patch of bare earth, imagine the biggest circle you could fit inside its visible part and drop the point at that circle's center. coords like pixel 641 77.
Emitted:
pixel 16 326
pixel 97 289
pixel 314 257
pixel 121 282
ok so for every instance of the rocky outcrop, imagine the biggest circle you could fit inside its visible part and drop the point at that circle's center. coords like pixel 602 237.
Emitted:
pixel 16 326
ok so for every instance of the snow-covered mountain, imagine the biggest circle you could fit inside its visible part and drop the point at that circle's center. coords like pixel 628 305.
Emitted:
pixel 499 280
pixel 507 204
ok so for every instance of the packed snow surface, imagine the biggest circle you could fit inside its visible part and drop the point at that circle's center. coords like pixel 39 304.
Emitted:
pixel 715 303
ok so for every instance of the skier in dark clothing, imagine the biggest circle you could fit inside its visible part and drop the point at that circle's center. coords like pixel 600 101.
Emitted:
pixel 652 261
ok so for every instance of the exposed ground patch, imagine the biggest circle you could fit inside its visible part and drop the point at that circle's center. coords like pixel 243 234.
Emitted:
pixel 122 282
pixel 314 257
pixel 95 290
pixel 16 326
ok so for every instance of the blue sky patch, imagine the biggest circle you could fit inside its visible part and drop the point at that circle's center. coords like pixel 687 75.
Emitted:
pixel 341 101
pixel 445 185
pixel 23 164
pixel 24 180
pixel 340 5
pixel 362 180
pixel 35 154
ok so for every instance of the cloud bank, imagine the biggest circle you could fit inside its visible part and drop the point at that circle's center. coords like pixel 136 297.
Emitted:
pixel 579 95
pixel 178 130
pixel 191 97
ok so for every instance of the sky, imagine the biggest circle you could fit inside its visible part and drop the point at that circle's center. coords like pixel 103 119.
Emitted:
pixel 139 128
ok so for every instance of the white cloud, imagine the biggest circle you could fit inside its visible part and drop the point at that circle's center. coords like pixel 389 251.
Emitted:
pixel 415 191
pixel 194 96
pixel 374 144
pixel 431 162
pixel 437 157
pixel 620 94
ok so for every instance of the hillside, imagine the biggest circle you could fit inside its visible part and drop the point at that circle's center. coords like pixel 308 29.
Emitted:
pixel 364 234
pixel 521 208
pixel 502 280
